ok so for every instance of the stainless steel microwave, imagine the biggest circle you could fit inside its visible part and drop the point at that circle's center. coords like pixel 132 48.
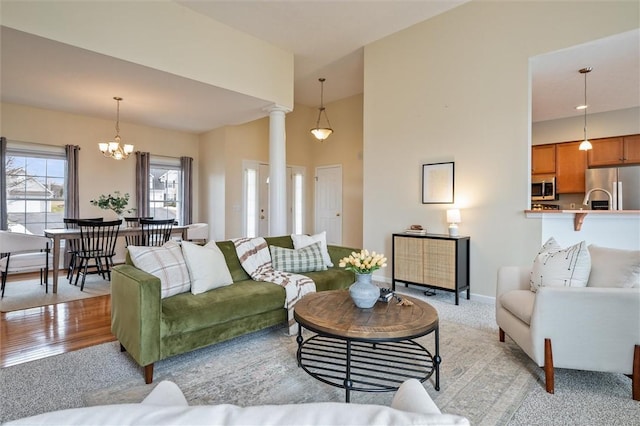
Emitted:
pixel 543 188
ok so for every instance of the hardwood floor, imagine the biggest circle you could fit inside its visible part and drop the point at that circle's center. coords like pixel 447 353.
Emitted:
pixel 44 331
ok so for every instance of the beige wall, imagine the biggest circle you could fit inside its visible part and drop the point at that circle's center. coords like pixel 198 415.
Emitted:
pixel 344 147
pixel 222 152
pixel 166 36
pixel 456 88
pixel 602 125
pixel 97 174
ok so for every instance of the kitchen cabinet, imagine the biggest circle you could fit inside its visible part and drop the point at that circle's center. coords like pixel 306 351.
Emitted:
pixel 433 261
pixel 570 166
pixel 543 159
pixel 616 151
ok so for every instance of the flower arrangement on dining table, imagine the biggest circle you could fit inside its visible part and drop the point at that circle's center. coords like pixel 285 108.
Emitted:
pixel 116 202
pixel 364 262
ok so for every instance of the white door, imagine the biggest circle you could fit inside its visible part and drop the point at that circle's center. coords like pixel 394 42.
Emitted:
pixel 263 200
pixel 328 205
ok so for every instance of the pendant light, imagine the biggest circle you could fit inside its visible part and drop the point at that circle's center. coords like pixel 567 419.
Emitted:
pixel 113 149
pixel 585 145
pixel 321 133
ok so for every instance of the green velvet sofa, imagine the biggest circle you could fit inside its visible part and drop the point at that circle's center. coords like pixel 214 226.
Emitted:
pixel 150 328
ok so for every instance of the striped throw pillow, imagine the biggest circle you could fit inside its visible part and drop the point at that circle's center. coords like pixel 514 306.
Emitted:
pixel 165 262
pixel 306 259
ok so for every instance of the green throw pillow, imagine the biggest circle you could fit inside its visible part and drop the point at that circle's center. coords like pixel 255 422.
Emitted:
pixel 306 259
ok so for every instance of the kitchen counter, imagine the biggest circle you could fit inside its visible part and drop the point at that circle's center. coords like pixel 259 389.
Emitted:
pixel 579 215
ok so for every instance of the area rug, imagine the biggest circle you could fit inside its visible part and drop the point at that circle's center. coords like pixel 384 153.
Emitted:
pixel 29 293
pixel 489 382
pixel 261 369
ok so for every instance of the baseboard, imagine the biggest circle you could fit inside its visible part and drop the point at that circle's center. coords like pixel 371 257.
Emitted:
pixel 477 297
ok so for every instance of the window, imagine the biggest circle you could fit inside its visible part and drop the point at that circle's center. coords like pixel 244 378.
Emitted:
pixel 251 195
pixel 35 187
pixel 298 199
pixel 165 198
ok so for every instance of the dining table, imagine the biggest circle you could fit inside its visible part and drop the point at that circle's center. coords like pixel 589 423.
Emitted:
pixel 59 234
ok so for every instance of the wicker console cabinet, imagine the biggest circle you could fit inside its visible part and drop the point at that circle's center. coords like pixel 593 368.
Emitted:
pixel 432 260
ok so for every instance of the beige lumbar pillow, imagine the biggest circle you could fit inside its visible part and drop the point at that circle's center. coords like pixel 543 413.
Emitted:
pixel 612 267
pixel 569 267
pixel 165 262
pixel 207 266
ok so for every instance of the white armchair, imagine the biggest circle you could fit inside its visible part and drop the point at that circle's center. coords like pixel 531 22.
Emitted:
pixel 583 328
pixel 24 253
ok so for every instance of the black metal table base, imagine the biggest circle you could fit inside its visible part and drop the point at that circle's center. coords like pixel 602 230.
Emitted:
pixel 367 366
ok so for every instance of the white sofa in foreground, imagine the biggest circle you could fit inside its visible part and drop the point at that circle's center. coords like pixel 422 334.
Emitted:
pixel 594 327
pixel 166 405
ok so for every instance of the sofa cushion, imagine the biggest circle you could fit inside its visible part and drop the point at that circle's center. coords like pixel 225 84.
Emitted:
pixel 207 266
pixel 519 303
pixel 300 241
pixel 568 267
pixel 307 259
pixel 165 262
pixel 218 306
pixel 332 279
pixel 233 263
pixel 612 267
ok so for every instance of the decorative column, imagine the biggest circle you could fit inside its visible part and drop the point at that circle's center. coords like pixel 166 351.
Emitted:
pixel 277 171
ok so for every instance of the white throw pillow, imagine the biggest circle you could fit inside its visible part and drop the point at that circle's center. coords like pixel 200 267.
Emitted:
pixel 550 245
pixel 301 241
pixel 612 267
pixel 569 267
pixel 165 262
pixel 207 267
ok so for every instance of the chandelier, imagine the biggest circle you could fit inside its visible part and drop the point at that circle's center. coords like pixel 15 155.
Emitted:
pixel 113 149
pixel 321 133
pixel 585 145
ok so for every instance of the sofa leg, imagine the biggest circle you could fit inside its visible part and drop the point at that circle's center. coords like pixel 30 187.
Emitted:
pixel 501 334
pixel 148 373
pixel 635 377
pixel 548 366
pixel 122 348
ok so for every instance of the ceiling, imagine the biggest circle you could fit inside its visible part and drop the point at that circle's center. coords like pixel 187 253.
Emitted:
pixel 327 39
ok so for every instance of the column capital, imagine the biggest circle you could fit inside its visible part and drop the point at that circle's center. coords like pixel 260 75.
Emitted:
pixel 276 108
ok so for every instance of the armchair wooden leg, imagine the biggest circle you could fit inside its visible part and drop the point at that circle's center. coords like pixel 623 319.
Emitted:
pixel 501 334
pixel 548 366
pixel 122 348
pixel 148 373
pixel 635 376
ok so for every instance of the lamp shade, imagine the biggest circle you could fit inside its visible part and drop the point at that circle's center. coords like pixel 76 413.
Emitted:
pixel 453 216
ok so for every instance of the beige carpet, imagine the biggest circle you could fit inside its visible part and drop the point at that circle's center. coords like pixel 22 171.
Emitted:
pixel 30 294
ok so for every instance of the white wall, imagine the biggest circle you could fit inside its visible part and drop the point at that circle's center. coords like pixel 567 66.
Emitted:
pixel 456 88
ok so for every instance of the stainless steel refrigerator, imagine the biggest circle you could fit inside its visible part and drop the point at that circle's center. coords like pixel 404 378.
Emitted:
pixel 623 183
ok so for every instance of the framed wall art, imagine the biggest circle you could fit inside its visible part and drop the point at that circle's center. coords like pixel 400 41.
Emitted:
pixel 437 183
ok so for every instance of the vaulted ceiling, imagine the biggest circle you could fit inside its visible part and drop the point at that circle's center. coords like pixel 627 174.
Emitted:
pixel 327 39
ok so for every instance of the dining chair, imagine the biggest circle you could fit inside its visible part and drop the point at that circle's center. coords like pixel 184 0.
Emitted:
pixel 72 245
pixel 24 253
pixel 198 233
pixel 156 232
pixel 97 244
pixel 134 222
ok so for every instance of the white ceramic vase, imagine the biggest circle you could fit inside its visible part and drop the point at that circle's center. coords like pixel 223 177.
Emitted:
pixel 363 292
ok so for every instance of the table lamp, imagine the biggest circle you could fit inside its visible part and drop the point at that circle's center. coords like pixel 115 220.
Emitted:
pixel 453 218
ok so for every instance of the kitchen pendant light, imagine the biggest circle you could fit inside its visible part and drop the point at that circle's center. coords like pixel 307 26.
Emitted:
pixel 322 133
pixel 585 145
pixel 113 149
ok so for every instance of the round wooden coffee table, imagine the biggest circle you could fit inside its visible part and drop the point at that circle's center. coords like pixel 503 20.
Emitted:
pixel 367 350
